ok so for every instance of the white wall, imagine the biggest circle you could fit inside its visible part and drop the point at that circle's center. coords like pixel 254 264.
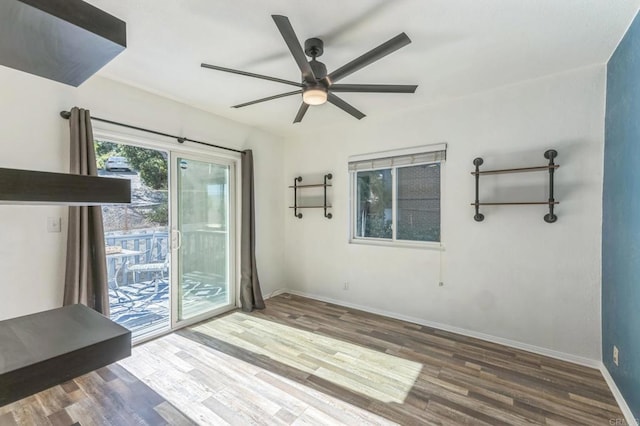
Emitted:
pixel 35 137
pixel 512 276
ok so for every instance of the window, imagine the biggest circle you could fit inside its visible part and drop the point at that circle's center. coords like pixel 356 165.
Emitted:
pixel 396 196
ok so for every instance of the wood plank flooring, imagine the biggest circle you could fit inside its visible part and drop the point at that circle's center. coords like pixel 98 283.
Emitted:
pixel 302 361
pixel 108 396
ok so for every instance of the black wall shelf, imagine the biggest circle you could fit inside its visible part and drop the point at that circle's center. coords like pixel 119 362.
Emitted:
pixel 297 187
pixel 51 347
pixel 550 155
pixel 29 186
pixel 66 41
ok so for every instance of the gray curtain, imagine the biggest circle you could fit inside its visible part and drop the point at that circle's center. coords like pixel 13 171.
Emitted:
pixel 250 293
pixel 86 268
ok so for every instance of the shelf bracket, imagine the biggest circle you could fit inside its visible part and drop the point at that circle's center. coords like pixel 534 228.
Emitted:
pixel 295 197
pixel 478 217
pixel 328 176
pixel 550 155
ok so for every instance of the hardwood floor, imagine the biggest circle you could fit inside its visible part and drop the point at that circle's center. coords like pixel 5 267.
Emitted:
pixel 108 396
pixel 302 361
pixel 306 361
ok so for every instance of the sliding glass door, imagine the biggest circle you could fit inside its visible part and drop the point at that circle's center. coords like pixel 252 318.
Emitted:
pixel 203 230
pixel 171 253
pixel 137 238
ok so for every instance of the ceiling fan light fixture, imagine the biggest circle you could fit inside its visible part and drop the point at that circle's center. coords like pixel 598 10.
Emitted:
pixel 316 84
pixel 314 96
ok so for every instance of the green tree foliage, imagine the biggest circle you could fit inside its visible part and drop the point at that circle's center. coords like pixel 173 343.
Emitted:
pixel 375 193
pixel 151 164
pixel 159 214
pixel 104 150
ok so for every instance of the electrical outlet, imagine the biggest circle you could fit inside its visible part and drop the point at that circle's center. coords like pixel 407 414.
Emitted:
pixel 615 354
pixel 345 286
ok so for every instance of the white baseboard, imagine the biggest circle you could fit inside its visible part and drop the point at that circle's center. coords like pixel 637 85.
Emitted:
pixel 275 293
pixel 628 415
pixel 575 359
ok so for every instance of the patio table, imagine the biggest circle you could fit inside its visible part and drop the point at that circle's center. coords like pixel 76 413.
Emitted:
pixel 122 254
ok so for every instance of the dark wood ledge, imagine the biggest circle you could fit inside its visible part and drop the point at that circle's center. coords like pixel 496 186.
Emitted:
pixel 27 186
pixel 48 348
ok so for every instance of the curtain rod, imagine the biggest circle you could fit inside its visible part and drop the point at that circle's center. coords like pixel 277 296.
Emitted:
pixel 66 115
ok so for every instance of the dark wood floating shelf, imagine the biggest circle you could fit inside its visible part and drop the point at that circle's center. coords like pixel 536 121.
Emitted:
pixel 550 155
pixel 66 41
pixel 518 170
pixel 297 187
pixel 315 185
pixel 28 186
pixel 42 350
pixel 517 203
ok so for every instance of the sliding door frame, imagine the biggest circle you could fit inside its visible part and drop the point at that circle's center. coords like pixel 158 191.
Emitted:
pixel 110 133
pixel 233 221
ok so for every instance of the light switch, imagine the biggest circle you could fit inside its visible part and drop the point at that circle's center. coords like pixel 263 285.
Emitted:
pixel 54 224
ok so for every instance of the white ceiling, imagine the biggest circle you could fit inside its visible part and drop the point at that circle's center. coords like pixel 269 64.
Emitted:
pixel 459 47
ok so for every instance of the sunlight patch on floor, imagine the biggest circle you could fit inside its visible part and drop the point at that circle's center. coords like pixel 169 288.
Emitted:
pixel 378 375
pixel 213 388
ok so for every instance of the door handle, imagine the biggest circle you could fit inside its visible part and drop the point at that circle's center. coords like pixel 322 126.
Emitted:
pixel 177 238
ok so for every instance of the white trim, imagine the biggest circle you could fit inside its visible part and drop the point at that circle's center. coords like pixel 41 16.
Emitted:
pixel 394 204
pixel 628 415
pixel 174 240
pixel 398 152
pixel 423 245
pixel 147 337
pixel 275 293
pixel 563 356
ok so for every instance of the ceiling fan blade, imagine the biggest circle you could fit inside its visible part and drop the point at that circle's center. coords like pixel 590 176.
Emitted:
pixel 374 88
pixel 344 106
pixel 268 98
pixel 283 24
pixel 301 112
pixel 250 74
pixel 371 56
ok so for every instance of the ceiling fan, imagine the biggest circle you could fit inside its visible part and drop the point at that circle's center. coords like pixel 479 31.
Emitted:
pixel 318 87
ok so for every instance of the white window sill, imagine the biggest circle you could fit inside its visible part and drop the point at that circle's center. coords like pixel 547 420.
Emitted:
pixel 398 244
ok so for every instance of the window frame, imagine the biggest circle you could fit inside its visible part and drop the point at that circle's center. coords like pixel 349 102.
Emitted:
pixel 393 242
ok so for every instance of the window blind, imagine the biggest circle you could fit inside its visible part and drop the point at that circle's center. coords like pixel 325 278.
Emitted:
pixel 383 162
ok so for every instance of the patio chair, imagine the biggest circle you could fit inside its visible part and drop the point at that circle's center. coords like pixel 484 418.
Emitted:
pixel 157 265
pixel 158 269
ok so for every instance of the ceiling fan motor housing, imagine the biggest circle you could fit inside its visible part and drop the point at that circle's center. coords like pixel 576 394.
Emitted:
pixel 313 47
pixel 319 69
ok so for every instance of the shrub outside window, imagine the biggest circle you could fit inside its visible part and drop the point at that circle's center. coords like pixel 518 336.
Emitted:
pixel 396 198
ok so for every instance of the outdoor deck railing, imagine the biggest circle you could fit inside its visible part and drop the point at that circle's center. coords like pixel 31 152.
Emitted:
pixel 152 247
pixel 203 251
